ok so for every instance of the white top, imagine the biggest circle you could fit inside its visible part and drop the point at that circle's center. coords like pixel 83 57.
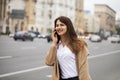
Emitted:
pixel 66 61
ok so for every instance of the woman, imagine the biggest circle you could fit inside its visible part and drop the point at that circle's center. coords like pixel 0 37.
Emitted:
pixel 67 54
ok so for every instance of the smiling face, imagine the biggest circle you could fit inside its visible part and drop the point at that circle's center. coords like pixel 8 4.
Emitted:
pixel 60 28
pixel 64 28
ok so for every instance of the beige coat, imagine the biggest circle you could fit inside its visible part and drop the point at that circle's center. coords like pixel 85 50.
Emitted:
pixel 81 59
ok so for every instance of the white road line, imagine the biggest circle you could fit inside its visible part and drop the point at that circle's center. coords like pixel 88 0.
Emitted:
pixel 104 54
pixel 5 57
pixel 23 71
pixel 49 76
pixel 43 67
pixel 28 48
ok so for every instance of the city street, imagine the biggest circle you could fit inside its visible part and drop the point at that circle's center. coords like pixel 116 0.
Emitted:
pixel 25 60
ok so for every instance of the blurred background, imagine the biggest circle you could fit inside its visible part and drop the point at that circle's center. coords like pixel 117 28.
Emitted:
pixel 89 17
pixel 25 36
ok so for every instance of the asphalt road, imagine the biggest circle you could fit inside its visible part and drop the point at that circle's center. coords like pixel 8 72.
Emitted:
pixel 26 60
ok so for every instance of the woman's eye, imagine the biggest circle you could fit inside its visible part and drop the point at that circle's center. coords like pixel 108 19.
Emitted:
pixel 61 24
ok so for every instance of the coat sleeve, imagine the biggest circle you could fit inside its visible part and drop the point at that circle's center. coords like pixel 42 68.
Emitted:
pixel 84 71
pixel 51 56
pixel 83 68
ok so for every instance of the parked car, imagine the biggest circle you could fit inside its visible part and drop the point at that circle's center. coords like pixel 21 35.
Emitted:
pixel 20 35
pixel 114 39
pixel 83 37
pixel 43 36
pixel 95 38
pixel 36 34
pixel 46 36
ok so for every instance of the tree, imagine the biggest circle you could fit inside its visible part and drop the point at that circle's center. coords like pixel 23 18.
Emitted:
pixel 118 29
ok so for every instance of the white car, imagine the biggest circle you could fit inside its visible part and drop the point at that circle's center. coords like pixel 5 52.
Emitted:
pixel 114 39
pixel 95 38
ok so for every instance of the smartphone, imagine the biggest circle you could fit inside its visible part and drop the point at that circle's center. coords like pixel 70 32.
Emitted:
pixel 57 36
pixel 55 32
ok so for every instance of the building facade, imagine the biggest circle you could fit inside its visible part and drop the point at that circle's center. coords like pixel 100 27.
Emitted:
pixel 17 15
pixel 107 17
pixel 79 17
pixel 48 10
pixel 38 15
pixel 3 15
pixel 30 15
pixel 92 24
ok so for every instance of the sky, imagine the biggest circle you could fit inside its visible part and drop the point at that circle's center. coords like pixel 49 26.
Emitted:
pixel 114 4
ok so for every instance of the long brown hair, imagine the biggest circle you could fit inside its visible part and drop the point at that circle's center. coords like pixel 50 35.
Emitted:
pixel 75 44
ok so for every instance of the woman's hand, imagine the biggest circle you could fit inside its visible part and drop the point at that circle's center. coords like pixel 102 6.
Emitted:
pixel 54 38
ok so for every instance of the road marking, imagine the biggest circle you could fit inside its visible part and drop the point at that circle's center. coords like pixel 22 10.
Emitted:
pixel 49 76
pixel 28 48
pixel 23 71
pixel 43 67
pixel 104 54
pixel 5 57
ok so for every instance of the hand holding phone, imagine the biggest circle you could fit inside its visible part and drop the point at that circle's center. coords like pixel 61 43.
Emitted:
pixel 54 37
